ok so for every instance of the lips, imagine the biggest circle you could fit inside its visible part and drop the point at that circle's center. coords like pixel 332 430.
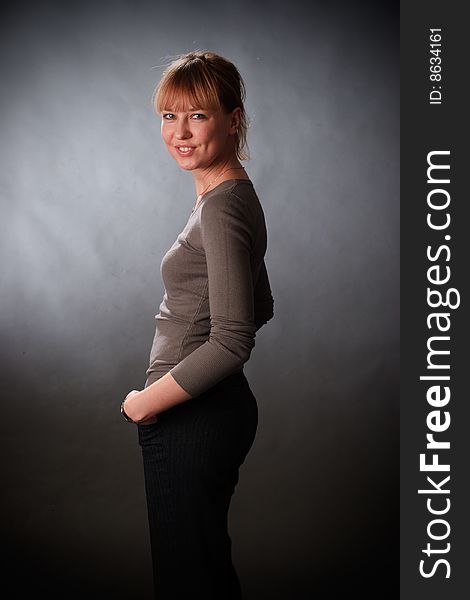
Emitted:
pixel 185 150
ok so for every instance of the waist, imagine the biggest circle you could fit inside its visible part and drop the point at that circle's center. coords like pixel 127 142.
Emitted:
pixel 236 378
pixel 173 341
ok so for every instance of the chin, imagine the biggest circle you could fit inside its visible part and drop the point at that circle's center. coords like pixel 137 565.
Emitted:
pixel 187 167
pixel 184 164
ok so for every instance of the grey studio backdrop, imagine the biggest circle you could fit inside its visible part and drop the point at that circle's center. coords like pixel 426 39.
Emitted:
pixel 90 202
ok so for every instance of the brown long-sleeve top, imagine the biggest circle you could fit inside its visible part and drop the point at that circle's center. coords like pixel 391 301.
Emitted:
pixel 217 291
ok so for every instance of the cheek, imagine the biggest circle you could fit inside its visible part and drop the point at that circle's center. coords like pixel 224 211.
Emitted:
pixel 215 138
pixel 166 134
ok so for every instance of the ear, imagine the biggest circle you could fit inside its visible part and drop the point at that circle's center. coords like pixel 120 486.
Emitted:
pixel 235 120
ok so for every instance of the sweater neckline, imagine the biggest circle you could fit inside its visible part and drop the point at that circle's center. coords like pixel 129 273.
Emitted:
pixel 217 187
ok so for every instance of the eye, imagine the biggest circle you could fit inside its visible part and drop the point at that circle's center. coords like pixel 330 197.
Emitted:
pixel 199 116
pixel 168 116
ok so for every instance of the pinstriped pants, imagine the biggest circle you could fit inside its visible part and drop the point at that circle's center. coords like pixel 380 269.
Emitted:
pixel 191 459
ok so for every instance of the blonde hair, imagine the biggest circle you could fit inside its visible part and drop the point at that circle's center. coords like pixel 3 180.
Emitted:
pixel 206 80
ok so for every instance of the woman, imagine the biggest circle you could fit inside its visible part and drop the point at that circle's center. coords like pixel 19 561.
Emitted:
pixel 197 416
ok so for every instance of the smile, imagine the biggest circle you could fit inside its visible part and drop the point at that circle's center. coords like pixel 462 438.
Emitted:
pixel 185 150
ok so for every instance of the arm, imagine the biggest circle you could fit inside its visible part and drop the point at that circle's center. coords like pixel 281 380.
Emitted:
pixel 159 396
pixel 227 241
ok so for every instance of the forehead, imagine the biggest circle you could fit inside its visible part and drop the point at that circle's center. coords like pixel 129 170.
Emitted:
pixel 178 98
pixel 182 108
pixel 178 103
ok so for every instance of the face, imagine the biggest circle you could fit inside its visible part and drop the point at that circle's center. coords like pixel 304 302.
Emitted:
pixel 199 138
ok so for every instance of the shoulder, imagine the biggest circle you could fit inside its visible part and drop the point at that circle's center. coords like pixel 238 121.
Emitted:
pixel 227 218
pixel 236 201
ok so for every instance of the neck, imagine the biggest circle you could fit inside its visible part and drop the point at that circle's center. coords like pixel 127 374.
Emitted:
pixel 215 174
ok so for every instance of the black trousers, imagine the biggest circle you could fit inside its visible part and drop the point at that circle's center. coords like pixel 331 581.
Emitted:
pixel 191 458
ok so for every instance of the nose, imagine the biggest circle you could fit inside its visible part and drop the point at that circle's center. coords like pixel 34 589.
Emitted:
pixel 182 130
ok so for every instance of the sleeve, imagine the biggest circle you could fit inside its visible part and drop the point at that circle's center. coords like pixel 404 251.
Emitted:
pixel 264 302
pixel 227 240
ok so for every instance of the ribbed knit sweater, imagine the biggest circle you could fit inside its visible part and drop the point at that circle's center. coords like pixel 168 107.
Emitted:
pixel 217 290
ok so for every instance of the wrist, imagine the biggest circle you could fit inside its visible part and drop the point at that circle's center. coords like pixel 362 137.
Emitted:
pixel 129 408
pixel 125 414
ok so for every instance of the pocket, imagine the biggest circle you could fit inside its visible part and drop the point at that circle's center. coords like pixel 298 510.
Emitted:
pixel 148 424
pixel 148 433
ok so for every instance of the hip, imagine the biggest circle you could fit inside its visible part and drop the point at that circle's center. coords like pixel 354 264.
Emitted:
pixel 226 413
